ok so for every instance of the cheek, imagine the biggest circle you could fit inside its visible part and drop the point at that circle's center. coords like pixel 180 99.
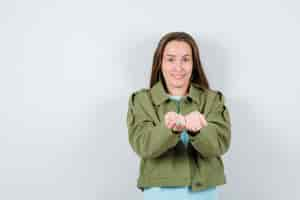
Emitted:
pixel 188 68
pixel 166 68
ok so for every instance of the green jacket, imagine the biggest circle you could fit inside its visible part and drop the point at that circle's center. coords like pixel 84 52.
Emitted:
pixel 164 160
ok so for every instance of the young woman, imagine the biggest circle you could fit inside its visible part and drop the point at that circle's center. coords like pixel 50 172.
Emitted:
pixel 179 127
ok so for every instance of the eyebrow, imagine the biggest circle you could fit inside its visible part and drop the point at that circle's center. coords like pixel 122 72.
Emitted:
pixel 175 55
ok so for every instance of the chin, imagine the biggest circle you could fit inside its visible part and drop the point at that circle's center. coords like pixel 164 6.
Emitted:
pixel 178 83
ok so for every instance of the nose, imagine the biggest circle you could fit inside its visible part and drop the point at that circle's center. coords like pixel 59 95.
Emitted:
pixel 178 65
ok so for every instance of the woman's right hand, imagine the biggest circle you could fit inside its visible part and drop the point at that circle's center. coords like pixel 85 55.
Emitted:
pixel 170 121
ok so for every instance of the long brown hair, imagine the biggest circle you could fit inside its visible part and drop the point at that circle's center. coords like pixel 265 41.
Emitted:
pixel 198 76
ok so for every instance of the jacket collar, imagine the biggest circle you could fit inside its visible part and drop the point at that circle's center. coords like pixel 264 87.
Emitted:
pixel 160 95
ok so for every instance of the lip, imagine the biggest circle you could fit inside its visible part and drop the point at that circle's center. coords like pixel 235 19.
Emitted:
pixel 178 76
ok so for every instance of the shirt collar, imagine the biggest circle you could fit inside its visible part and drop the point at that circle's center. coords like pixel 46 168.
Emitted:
pixel 160 95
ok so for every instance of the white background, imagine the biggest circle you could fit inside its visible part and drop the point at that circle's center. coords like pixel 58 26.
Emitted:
pixel 67 69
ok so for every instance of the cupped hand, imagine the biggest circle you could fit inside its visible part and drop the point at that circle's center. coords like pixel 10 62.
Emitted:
pixel 175 121
pixel 195 121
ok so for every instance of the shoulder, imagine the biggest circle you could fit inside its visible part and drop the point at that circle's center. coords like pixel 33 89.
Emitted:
pixel 213 93
pixel 140 104
pixel 138 96
pixel 214 96
pixel 209 93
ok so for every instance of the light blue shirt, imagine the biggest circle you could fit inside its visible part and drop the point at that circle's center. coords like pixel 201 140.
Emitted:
pixel 184 192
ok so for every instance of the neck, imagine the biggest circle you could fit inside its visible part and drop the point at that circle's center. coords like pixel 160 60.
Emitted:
pixel 182 91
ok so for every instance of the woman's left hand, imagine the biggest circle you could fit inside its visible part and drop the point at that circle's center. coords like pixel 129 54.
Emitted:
pixel 195 121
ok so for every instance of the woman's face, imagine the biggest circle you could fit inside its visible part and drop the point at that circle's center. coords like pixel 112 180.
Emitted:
pixel 177 64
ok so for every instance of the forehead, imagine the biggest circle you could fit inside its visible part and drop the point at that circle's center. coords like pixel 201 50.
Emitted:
pixel 177 48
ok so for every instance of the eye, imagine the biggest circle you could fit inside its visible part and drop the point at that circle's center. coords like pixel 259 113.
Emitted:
pixel 186 59
pixel 170 59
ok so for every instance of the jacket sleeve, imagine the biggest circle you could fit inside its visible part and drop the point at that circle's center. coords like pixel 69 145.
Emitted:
pixel 147 138
pixel 215 138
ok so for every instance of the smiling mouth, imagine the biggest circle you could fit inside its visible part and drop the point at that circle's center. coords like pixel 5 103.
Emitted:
pixel 178 76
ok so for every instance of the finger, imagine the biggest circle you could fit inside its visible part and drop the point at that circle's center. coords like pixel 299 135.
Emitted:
pixel 203 121
pixel 173 126
pixel 172 117
pixel 187 119
pixel 167 117
pixel 195 129
pixel 188 127
pixel 172 123
pixel 169 123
